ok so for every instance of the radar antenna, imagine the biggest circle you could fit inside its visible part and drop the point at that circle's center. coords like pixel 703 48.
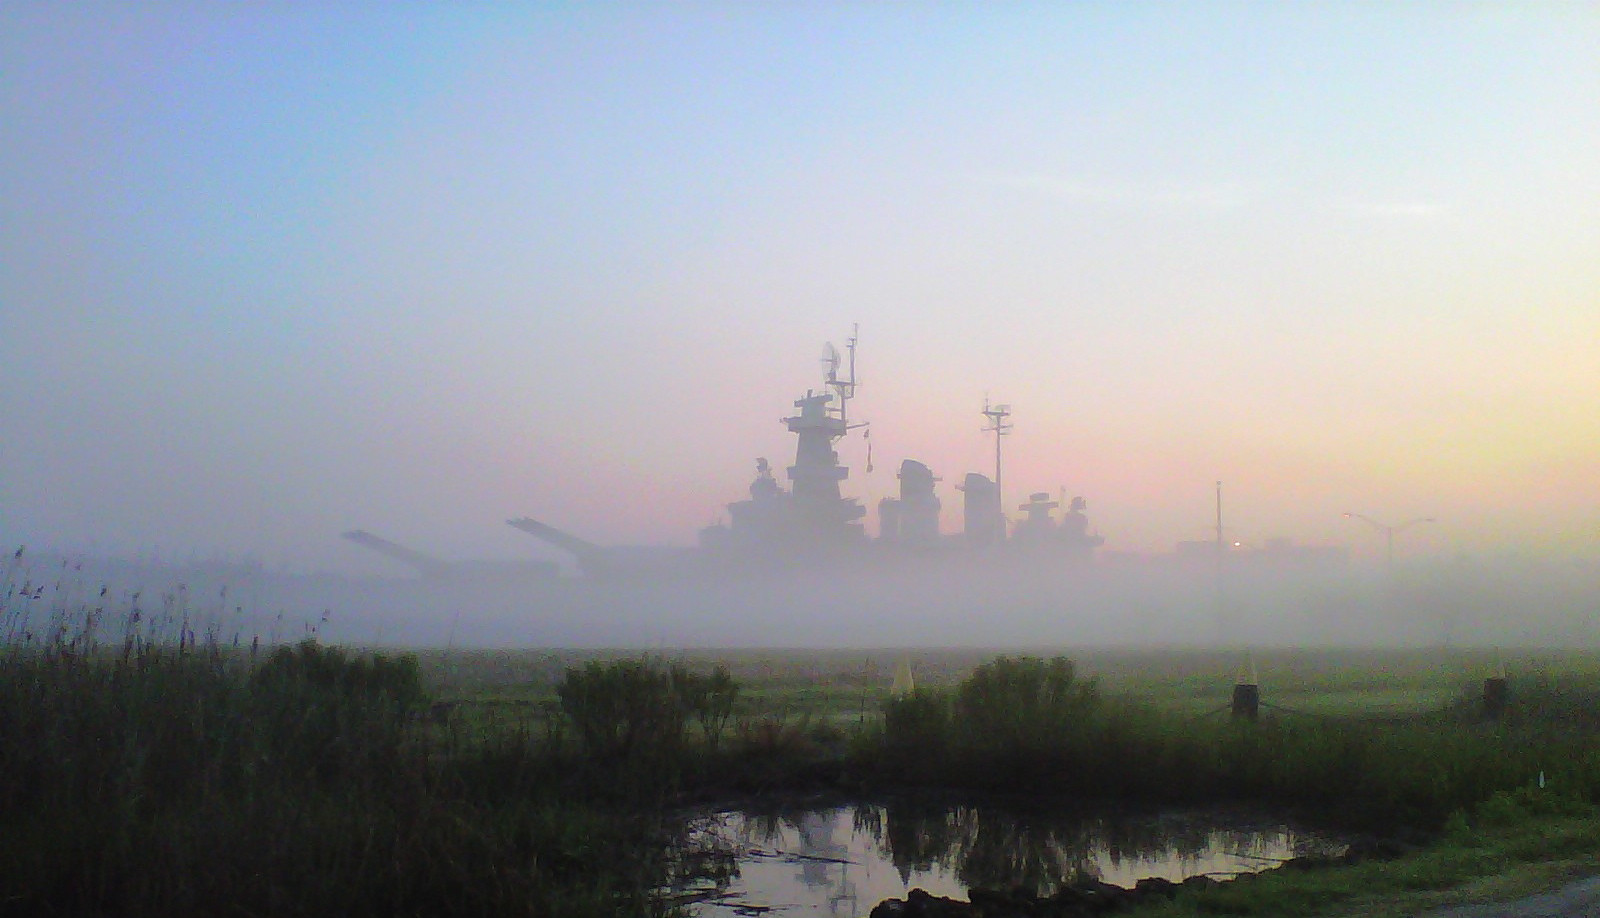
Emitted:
pixel 830 364
pixel 843 389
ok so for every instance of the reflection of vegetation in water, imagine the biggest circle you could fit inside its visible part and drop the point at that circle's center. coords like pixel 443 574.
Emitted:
pixel 769 825
pixel 992 847
pixel 914 839
pixel 1197 845
pixel 700 861
pixel 985 847
pixel 802 838
pixel 1006 850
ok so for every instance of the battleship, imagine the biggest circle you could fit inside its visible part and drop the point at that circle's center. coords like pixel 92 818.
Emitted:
pixel 793 564
pixel 812 525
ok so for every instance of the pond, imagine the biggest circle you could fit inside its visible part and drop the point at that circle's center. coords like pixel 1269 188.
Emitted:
pixel 841 860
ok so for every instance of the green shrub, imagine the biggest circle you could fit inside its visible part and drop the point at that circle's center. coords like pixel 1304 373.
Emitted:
pixel 1021 702
pixel 1029 722
pixel 1530 800
pixel 323 713
pixel 919 719
pixel 1013 718
pixel 179 781
pixel 709 698
pixel 332 672
pixel 625 706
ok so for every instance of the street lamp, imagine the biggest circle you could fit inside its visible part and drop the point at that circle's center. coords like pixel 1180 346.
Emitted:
pixel 1388 534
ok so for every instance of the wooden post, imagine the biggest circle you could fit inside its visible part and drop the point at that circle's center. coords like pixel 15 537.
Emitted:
pixel 1496 692
pixel 1246 699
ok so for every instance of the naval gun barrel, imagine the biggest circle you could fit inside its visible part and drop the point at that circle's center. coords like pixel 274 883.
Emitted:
pixel 588 554
pixel 426 565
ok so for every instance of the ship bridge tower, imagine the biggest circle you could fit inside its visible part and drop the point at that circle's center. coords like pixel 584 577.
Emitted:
pixel 777 524
pixel 816 472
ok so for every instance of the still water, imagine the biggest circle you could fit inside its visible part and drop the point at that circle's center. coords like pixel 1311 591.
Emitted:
pixel 843 860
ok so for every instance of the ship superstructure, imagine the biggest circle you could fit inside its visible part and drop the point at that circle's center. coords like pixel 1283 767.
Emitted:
pixel 813 522
pixel 813 516
pixel 1039 530
pixel 912 519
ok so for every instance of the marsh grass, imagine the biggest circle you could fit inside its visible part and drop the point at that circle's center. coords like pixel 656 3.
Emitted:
pixel 1009 727
pixel 166 771
pixel 1377 739
pixel 153 763
pixel 1511 844
pixel 184 782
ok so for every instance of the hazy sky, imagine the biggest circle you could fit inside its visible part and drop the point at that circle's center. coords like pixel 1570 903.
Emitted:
pixel 271 271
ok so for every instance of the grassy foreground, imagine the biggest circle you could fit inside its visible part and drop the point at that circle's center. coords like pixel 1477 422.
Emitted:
pixel 1514 845
pixel 161 773
pixel 161 779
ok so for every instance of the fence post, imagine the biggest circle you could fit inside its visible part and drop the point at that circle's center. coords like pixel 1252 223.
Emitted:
pixel 1496 692
pixel 1246 699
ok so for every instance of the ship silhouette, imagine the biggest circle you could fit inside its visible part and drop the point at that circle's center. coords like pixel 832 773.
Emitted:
pixel 812 525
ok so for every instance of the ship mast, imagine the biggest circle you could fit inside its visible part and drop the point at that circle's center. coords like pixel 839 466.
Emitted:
pixel 999 426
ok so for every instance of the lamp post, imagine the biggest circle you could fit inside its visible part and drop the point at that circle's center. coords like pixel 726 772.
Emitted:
pixel 1388 534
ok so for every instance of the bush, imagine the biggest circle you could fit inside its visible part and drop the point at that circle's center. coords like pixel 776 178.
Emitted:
pixel 1013 718
pixel 623 707
pixel 170 780
pixel 332 672
pixel 1021 702
pixel 628 708
pixel 916 734
pixel 710 699
pixel 324 713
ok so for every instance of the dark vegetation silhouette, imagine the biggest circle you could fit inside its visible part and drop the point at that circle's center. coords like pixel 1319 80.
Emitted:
pixel 623 707
pixel 173 772
pixel 1024 722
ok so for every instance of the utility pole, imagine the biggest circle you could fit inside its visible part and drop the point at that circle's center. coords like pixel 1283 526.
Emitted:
pixel 1388 535
pixel 1222 602
pixel 1219 525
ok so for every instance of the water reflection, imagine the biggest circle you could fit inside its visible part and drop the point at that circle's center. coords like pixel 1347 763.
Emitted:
pixel 843 860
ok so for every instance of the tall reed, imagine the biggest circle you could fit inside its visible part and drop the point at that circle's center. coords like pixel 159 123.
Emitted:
pixel 170 773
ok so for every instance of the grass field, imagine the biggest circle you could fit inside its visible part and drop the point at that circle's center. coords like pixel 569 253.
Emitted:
pixel 162 771
pixel 1406 699
pixel 841 685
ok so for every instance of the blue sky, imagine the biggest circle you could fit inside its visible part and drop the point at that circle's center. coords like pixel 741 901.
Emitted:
pixel 269 272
